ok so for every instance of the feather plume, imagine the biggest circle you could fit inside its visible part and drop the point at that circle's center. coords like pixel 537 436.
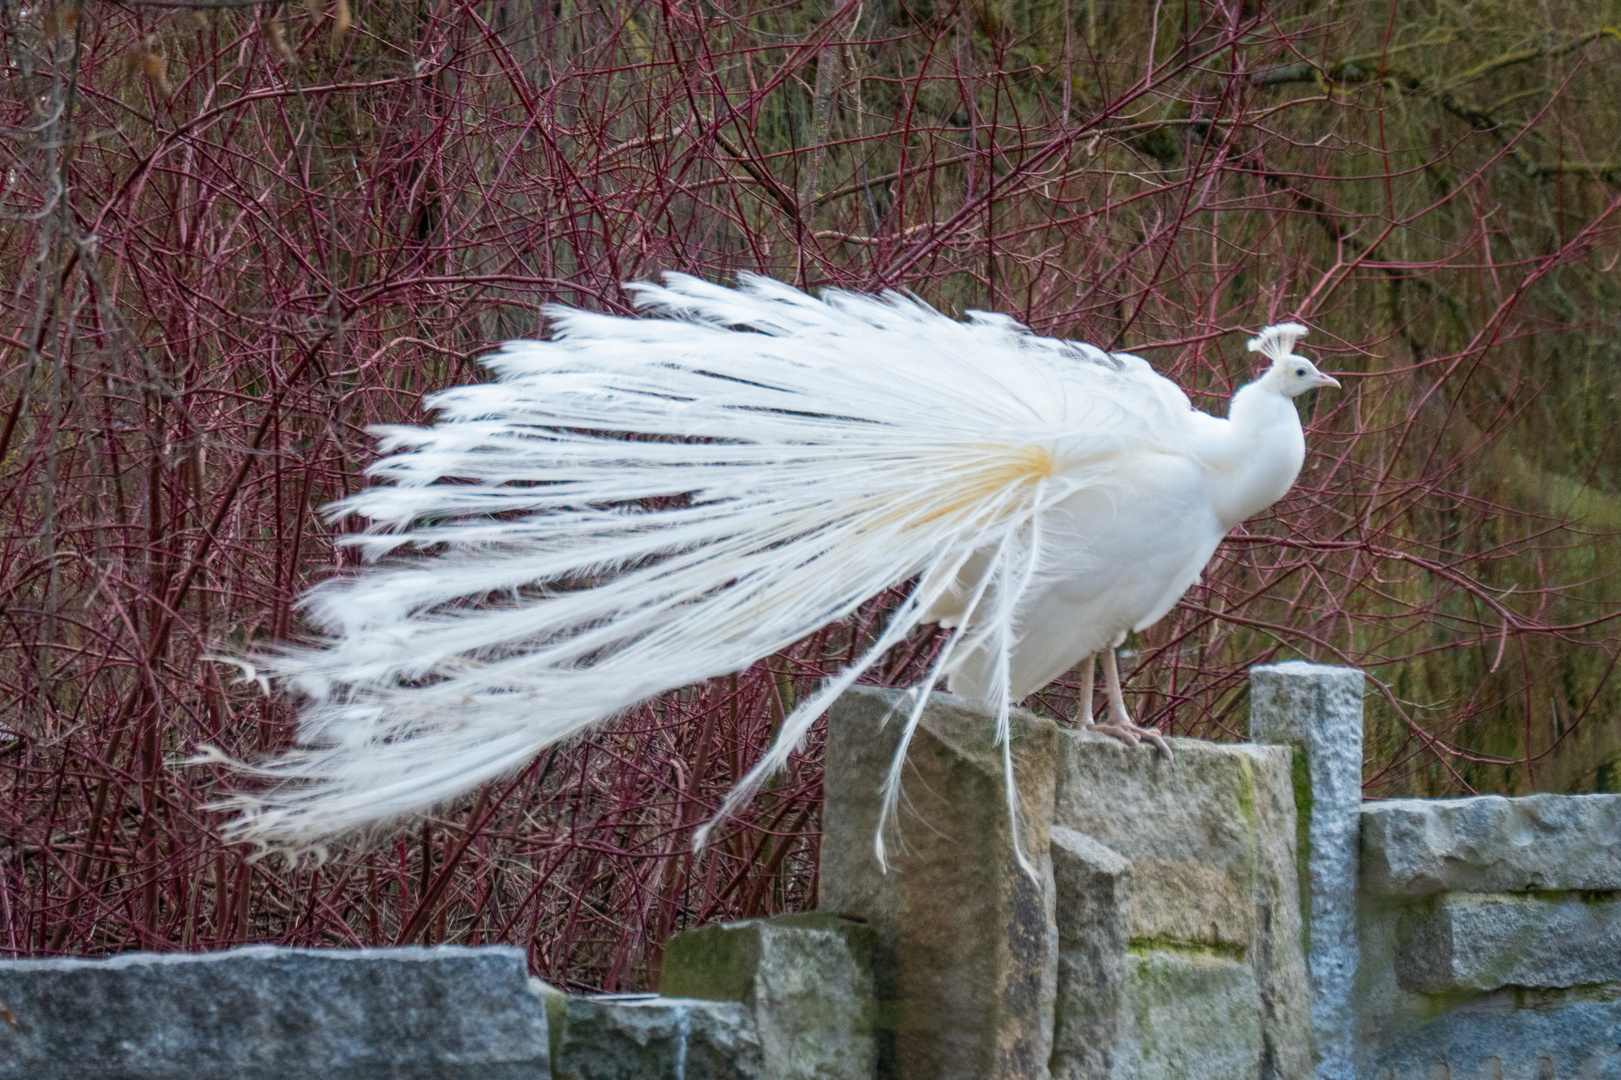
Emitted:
pixel 637 504
pixel 1277 342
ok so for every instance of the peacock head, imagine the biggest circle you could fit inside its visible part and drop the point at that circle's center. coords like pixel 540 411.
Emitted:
pixel 1290 375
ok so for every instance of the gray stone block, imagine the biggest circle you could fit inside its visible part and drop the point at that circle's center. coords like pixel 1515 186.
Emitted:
pixel 1579 1041
pixel 806 979
pixel 1186 826
pixel 968 952
pixel 265 1013
pixel 1093 886
pixel 1189 1016
pixel 643 1037
pixel 1472 942
pixel 1488 843
pixel 1317 710
pixel 1210 837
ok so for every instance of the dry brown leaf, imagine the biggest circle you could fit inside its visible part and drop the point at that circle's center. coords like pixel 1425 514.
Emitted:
pixel 146 56
pixel 340 22
pixel 278 40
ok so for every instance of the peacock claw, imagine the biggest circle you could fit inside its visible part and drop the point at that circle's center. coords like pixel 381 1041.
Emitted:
pixel 1123 732
pixel 1133 734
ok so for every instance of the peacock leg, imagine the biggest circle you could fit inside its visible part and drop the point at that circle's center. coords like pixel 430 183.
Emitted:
pixel 1088 668
pixel 1120 724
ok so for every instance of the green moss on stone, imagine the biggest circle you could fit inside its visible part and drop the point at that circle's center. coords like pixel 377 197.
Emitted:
pixel 1300 778
pixel 1144 945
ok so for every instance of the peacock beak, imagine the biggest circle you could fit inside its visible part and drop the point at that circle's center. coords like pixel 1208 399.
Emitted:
pixel 1326 380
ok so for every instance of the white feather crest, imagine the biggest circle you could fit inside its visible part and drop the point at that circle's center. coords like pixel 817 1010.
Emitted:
pixel 1277 342
pixel 821 451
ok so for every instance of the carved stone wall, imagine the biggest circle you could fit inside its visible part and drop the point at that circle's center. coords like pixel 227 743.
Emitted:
pixel 1237 913
pixel 1491 937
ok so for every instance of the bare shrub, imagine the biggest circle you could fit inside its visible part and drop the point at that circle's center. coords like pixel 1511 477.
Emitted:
pixel 237 233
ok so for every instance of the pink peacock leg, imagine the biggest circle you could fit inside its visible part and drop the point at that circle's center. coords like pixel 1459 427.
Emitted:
pixel 1120 724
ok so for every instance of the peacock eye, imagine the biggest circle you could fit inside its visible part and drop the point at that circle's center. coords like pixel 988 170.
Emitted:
pixel 1300 373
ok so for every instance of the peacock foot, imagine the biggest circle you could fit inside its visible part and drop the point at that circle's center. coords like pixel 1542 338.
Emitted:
pixel 1132 734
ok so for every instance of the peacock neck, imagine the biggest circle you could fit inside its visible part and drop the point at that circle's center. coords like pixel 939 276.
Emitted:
pixel 1257 457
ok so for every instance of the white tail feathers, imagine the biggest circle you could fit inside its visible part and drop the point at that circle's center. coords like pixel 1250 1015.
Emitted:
pixel 1277 342
pixel 639 504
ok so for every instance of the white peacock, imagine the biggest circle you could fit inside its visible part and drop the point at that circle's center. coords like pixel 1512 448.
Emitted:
pixel 1044 497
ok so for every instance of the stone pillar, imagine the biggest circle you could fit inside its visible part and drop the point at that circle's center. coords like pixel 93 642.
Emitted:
pixel 1094 932
pixel 967 955
pixel 1317 710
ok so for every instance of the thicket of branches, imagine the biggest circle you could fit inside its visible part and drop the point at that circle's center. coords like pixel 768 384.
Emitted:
pixel 237 233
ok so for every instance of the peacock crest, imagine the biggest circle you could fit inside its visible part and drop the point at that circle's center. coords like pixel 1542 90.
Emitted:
pixel 1277 342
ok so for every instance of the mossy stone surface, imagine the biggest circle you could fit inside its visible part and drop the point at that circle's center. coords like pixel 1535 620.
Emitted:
pixel 1475 942
pixel 1579 1040
pixel 1211 841
pixel 1093 913
pixel 806 978
pixel 266 1013
pixel 1316 710
pixel 1187 826
pixel 967 944
pixel 642 1037
pixel 1487 843
pixel 1189 1015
